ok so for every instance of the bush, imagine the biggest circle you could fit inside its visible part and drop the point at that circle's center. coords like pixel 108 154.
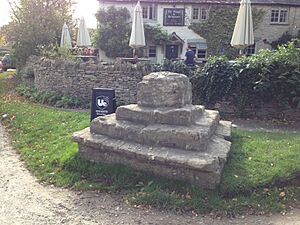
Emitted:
pixel 48 98
pixel 284 39
pixel 243 93
pixel 280 75
pixel 252 81
pixel 214 81
pixel 173 66
pixel 56 52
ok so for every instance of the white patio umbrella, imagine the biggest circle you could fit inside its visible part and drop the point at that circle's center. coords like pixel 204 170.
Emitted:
pixel 137 37
pixel 83 36
pixel 243 31
pixel 65 37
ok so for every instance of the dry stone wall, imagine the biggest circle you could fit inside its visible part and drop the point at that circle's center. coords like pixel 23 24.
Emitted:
pixel 78 79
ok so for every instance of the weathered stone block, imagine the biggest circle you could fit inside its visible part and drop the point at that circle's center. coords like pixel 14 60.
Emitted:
pixel 201 169
pixel 187 138
pixel 167 115
pixel 192 138
pixel 224 129
pixel 135 113
pixel 111 127
pixel 164 89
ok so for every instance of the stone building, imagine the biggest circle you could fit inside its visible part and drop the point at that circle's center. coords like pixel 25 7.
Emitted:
pixel 175 16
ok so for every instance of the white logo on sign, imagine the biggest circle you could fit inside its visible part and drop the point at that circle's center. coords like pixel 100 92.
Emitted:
pixel 102 102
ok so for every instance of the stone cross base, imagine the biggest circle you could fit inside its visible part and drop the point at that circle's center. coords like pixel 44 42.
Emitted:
pixel 164 134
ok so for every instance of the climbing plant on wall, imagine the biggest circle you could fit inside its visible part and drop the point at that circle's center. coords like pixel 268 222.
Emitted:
pixel 219 28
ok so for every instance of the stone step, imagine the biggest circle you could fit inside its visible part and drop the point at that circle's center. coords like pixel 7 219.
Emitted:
pixel 191 138
pixel 224 129
pixel 199 168
pixel 109 126
pixel 185 116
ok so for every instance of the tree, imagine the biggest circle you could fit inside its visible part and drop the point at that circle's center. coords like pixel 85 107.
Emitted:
pixel 114 32
pixel 36 23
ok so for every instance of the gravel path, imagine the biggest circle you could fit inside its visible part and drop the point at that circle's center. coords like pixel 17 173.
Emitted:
pixel 24 201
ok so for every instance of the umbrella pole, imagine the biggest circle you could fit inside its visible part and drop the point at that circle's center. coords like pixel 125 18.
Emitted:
pixel 134 50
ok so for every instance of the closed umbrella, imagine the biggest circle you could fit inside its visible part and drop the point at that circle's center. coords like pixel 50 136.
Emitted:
pixel 137 37
pixel 65 37
pixel 243 31
pixel 83 37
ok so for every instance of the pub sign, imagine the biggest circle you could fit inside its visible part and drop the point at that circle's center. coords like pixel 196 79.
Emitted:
pixel 173 17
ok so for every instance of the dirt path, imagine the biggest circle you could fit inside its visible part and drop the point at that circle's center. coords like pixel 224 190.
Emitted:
pixel 24 201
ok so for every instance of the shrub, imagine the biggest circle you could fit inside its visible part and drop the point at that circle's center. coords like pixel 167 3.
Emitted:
pixel 252 81
pixel 173 66
pixel 214 81
pixel 56 52
pixel 280 75
pixel 243 93
pixel 284 39
pixel 48 98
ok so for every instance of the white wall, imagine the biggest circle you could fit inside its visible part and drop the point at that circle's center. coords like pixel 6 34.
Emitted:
pixel 182 31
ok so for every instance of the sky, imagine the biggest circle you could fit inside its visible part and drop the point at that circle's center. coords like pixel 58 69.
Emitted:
pixel 85 8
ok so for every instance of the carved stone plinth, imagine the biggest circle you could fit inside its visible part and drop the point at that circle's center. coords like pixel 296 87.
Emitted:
pixel 163 134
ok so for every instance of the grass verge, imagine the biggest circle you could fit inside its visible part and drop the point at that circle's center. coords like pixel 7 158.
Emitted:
pixel 258 177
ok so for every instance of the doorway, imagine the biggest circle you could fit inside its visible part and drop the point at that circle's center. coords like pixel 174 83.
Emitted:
pixel 172 51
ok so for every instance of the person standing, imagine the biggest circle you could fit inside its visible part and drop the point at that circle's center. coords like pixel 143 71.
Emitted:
pixel 189 57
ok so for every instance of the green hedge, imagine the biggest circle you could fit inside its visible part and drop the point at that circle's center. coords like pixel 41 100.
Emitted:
pixel 270 76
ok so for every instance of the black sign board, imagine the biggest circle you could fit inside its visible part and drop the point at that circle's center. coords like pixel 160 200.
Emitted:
pixel 173 17
pixel 103 102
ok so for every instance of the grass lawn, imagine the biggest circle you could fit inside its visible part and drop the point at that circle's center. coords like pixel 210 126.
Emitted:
pixel 7 85
pixel 259 177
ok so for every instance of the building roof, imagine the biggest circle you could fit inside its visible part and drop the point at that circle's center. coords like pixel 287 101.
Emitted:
pixel 227 2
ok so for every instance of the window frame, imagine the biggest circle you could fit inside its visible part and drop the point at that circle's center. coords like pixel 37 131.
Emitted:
pixel 200 14
pixel 277 19
pixel 150 9
pixel 193 13
pixel 205 57
pixel 196 51
pixel 251 48
pixel 152 47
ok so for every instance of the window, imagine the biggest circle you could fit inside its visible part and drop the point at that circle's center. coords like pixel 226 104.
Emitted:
pixel 149 12
pixel 152 52
pixel 250 50
pixel 199 14
pixel 201 54
pixel 204 14
pixel 199 50
pixel 279 16
pixel 145 12
pixel 195 13
pixel 194 49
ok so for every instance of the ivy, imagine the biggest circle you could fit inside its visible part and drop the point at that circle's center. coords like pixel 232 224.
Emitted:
pixel 219 28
